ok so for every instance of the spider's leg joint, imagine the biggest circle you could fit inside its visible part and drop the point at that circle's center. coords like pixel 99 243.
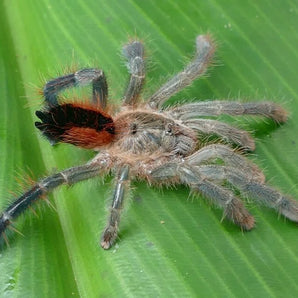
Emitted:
pixel 87 75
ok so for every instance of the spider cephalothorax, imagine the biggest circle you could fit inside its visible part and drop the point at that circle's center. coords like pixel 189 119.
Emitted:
pixel 142 140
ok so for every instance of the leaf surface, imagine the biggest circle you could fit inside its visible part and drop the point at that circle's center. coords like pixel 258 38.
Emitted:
pixel 169 245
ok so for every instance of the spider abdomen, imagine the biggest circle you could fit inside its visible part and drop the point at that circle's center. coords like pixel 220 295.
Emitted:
pixel 77 124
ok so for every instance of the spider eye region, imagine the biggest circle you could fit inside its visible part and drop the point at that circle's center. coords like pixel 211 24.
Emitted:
pixel 133 128
pixel 169 129
pixel 76 124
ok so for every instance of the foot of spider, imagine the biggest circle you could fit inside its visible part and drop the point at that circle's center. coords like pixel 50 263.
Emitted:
pixel 108 237
pixel 236 211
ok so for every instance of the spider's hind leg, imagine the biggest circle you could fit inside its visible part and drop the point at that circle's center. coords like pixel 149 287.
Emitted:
pixel 134 53
pixel 79 78
pixel 272 198
pixel 69 176
pixel 110 232
pixel 233 207
pixel 250 186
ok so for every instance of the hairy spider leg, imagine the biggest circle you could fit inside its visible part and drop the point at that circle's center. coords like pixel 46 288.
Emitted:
pixel 211 153
pixel 79 78
pixel 69 176
pixel 188 112
pixel 234 208
pixel 233 108
pixel 249 186
pixel 205 48
pixel 224 131
pixel 134 53
pixel 110 232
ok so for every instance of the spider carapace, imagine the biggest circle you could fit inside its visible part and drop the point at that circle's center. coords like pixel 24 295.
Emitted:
pixel 142 139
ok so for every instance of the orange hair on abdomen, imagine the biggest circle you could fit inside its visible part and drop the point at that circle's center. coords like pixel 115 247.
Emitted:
pixel 82 125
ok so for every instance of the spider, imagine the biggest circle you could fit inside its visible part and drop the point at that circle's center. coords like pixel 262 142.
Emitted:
pixel 162 145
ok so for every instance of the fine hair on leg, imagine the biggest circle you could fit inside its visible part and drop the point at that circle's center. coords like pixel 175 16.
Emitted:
pixel 205 48
pixel 224 131
pixel 110 232
pixel 80 78
pixel 134 53
pixel 230 157
pixel 250 186
pixel 233 108
pixel 233 207
pixel 69 176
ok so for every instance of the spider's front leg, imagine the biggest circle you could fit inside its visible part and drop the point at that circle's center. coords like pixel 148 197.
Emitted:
pixel 134 53
pixel 110 232
pixel 224 107
pixel 69 176
pixel 197 67
pixel 79 78
pixel 189 112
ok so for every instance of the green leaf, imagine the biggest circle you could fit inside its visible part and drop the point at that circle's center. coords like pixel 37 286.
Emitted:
pixel 169 245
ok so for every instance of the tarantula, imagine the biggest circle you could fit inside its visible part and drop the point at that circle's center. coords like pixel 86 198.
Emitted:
pixel 162 145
